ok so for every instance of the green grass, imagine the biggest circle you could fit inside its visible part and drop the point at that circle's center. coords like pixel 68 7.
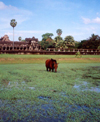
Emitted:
pixel 45 56
pixel 29 93
pixel 27 59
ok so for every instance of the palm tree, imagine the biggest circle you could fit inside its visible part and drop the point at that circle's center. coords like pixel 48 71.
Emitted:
pixel 13 23
pixel 59 32
pixel 19 38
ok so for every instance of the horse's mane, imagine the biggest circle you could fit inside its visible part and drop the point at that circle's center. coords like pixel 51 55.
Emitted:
pixel 54 60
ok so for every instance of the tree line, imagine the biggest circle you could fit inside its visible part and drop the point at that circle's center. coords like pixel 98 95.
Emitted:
pixel 47 41
pixel 57 42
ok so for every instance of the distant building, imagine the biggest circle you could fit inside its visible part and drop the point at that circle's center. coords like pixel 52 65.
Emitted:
pixel 5 38
pixel 30 44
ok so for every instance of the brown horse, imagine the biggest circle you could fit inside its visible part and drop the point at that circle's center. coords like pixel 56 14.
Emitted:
pixel 51 64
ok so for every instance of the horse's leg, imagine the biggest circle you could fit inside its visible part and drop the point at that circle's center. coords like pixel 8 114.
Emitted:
pixel 52 70
pixel 49 69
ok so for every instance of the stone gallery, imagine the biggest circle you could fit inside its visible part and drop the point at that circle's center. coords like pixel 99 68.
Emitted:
pixel 29 44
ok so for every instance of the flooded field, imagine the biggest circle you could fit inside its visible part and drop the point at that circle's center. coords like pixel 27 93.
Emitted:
pixel 85 87
pixel 29 93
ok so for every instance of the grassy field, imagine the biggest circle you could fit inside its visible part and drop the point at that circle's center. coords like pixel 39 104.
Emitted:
pixel 27 59
pixel 29 93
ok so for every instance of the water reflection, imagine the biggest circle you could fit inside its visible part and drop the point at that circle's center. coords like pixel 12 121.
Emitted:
pixel 26 111
pixel 32 88
pixel 10 85
pixel 84 87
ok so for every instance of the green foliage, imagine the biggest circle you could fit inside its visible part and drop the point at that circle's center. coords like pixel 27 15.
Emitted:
pixel 78 54
pixel 19 38
pixel 59 32
pixel 92 43
pixel 23 40
pixel 77 44
pixel 13 23
pixel 98 47
pixel 58 39
pixel 80 44
pixel 46 44
pixel 46 36
pixel 61 44
pixel 69 41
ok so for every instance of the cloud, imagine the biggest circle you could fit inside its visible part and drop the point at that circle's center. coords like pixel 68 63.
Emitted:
pixel 96 20
pixel 3 6
pixel 11 12
pixel 98 14
pixel 9 34
pixel 24 32
pixel 88 21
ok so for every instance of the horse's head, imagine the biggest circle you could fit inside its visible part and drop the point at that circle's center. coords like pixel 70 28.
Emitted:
pixel 55 66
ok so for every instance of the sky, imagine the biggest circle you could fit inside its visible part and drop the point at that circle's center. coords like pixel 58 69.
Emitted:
pixel 78 18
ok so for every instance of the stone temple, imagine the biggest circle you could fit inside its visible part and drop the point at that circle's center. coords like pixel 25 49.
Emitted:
pixel 30 44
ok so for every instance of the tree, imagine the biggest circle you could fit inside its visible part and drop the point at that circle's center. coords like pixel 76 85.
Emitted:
pixel 13 23
pixel 44 44
pixel 79 46
pixel 61 44
pixel 58 38
pixel 69 41
pixel 19 38
pixel 46 36
pixel 58 42
pixel 59 32
pixel 47 41
pixel 98 48
pixel 76 44
pixel 92 43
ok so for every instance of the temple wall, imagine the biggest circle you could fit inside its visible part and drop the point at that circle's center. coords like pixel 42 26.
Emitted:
pixel 35 48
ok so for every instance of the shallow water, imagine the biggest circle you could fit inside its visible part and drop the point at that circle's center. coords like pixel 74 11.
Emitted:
pixel 45 111
pixel 42 112
pixel 95 89
pixel 84 87
pixel 32 88
pixel 44 97
pixel 25 111
pixel 21 86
